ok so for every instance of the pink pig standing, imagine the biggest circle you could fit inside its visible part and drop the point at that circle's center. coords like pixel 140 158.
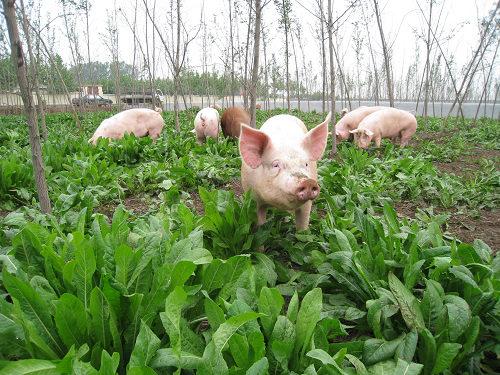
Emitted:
pixel 206 124
pixel 387 123
pixel 279 165
pixel 137 121
pixel 351 120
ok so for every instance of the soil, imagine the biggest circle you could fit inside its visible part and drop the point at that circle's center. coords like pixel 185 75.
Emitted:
pixel 468 163
pixel 461 225
pixel 197 205
pixel 136 204
pixel 438 137
pixel 3 213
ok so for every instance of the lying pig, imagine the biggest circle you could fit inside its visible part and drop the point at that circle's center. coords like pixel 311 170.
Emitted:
pixel 231 121
pixel 206 124
pixel 137 121
pixel 386 123
pixel 350 121
pixel 279 165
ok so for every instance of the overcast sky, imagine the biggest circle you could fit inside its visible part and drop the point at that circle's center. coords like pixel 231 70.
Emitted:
pixel 401 18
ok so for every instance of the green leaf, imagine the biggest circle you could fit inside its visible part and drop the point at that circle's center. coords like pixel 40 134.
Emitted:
pixel 124 262
pixel 405 368
pixel 407 347
pixel 445 355
pixel 85 266
pixel 29 366
pixel 266 269
pixel 408 304
pixel 471 336
pixel 145 348
pixel 432 303
pixel 459 316
pixel 293 308
pixel 181 273
pixel 325 358
pixel 375 350
pixel 103 322
pixel 167 358
pixel 71 320
pixel 307 318
pixel 171 318
pixel 427 353
pixel 215 314
pixel 261 367
pixel 229 328
pixel 109 364
pixel 463 273
pixel 36 310
pixel 282 340
pixel 270 304
pixel 358 365
pixel 238 346
pixel 383 368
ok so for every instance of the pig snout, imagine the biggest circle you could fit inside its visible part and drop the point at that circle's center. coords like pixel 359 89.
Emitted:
pixel 307 190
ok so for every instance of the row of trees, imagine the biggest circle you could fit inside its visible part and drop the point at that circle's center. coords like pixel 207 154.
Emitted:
pixel 247 65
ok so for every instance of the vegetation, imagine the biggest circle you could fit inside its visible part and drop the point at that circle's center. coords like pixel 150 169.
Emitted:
pixel 101 286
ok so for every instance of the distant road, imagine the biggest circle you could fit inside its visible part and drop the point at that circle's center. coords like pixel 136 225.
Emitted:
pixel 440 109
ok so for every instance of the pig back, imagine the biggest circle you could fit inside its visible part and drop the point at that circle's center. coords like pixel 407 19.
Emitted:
pixel 231 121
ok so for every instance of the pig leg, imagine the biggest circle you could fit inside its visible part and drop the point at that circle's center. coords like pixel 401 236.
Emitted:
pixel 302 216
pixel 378 140
pixel 405 137
pixel 261 215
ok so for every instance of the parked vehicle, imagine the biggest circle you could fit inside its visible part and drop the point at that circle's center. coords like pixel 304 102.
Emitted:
pixel 91 100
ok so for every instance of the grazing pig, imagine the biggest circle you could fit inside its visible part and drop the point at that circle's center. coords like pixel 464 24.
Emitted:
pixel 137 121
pixel 343 112
pixel 386 123
pixel 231 121
pixel 206 124
pixel 279 165
pixel 350 121
pixel 258 106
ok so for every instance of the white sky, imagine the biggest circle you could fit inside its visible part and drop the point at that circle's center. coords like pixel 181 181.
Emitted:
pixel 400 18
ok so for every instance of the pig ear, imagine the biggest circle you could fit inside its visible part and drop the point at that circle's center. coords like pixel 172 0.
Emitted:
pixel 253 142
pixel 368 132
pixel 315 141
pixel 354 131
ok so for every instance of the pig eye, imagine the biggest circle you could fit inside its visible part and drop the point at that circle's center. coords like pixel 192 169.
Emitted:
pixel 307 164
pixel 275 164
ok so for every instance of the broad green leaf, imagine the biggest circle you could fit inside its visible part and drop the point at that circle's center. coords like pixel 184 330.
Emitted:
pixel 270 304
pixel 445 355
pixel 408 304
pixel 427 352
pixel 238 346
pixel 215 314
pixel 293 308
pixel 145 348
pixel 471 336
pixel 261 367
pixel 266 269
pixel 103 322
pixel 382 368
pixel 342 241
pixel 407 347
pixel 229 328
pixel 35 309
pixel 358 365
pixel 171 318
pixel 124 261
pixel 30 366
pixel 71 320
pixel 109 364
pixel 459 316
pixel 167 358
pixel 463 273
pixel 85 266
pixel 407 368
pixel 307 318
pixel 213 362
pixel 282 340
pixel 181 273
pixel 432 303
pixel 376 350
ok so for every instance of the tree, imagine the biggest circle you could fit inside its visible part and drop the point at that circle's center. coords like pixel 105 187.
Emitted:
pixel 284 9
pixel 385 50
pixel 332 76
pixel 19 63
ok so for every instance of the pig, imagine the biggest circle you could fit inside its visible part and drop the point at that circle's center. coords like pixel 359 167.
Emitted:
pixel 258 106
pixel 231 121
pixel 350 121
pixel 279 165
pixel 206 124
pixel 343 112
pixel 137 121
pixel 158 109
pixel 215 106
pixel 385 123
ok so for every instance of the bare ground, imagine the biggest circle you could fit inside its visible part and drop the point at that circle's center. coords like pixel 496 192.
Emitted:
pixel 136 204
pixel 461 225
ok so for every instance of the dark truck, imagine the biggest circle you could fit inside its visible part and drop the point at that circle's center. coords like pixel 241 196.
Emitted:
pixel 91 100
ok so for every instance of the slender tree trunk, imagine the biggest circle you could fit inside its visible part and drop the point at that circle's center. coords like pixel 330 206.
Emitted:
pixel 255 69
pixel 427 63
pixel 18 61
pixel 296 73
pixel 372 55
pixel 323 60
pixel 266 77
pixel 483 94
pixel 385 51
pixel 342 78
pixel 247 49
pixel 34 73
pixel 332 77
pixel 286 26
pixel 232 50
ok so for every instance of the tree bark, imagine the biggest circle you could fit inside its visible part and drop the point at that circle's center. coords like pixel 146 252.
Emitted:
pixel 27 96
pixel 483 94
pixel 427 64
pixel 385 51
pixel 323 61
pixel 232 50
pixel 332 77
pixel 255 69
pixel 34 74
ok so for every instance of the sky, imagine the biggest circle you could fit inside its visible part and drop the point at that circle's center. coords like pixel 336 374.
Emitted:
pixel 401 21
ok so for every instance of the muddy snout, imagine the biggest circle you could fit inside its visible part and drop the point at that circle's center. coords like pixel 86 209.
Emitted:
pixel 307 190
